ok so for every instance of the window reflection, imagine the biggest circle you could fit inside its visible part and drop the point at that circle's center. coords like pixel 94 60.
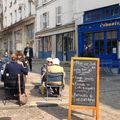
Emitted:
pixel 111 41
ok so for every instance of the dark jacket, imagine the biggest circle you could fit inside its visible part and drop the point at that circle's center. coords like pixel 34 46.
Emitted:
pixel 30 52
pixel 13 68
pixel 87 53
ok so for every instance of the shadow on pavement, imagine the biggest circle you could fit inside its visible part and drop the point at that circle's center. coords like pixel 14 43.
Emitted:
pixel 110 93
pixel 5 118
pixel 59 112
pixel 35 92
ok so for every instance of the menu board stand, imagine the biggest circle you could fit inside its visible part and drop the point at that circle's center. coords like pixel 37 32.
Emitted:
pixel 84 85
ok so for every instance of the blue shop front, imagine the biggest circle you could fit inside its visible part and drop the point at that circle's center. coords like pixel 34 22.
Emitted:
pixel 103 31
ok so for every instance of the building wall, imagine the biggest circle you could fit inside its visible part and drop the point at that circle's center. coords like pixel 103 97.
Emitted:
pixel 54 28
pixel 22 8
pixel 79 7
pixel 18 16
pixel 67 12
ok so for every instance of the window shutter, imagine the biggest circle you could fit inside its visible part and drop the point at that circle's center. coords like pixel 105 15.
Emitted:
pixel 58 15
pixel 47 19
pixel 41 21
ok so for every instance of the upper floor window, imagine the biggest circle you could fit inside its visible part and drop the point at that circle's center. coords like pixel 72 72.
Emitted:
pixel 58 15
pixel 14 1
pixel 5 8
pixel 11 17
pixel 102 13
pixel 115 11
pixel 5 21
pixel 44 1
pixel 10 5
pixel 15 15
pixel 44 20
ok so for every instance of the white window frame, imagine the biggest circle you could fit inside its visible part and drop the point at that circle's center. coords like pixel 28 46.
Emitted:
pixel 11 17
pixel 58 15
pixel 44 1
pixel 45 20
pixel 15 15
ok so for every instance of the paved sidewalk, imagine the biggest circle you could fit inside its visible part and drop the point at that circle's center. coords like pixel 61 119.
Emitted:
pixel 38 108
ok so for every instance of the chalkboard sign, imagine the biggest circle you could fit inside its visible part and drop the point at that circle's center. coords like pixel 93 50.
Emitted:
pixel 84 84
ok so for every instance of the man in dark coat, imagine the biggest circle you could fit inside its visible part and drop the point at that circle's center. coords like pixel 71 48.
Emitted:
pixel 28 52
pixel 88 51
pixel 13 69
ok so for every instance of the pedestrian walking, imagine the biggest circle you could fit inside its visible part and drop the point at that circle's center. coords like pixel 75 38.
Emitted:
pixel 28 52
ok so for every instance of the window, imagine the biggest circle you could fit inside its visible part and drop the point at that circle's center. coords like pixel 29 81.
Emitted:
pixel 87 38
pixel 5 21
pixel 58 15
pixel 71 41
pixel 111 41
pixel 40 45
pixel 102 13
pixel 105 13
pixel 44 1
pixel 5 8
pixel 99 42
pixel 59 42
pixel 11 17
pixel 15 1
pixel 15 15
pixel 30 31
pixel 96 15
pixel 47 43
pixel 45 20
pixel 10 5
pixel 88 16
pixel 115 11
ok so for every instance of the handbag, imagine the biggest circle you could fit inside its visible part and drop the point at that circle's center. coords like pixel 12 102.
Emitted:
pixel 22 97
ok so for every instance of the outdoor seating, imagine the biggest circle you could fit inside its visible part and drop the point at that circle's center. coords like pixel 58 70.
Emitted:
pixel 54 80
pixel 11 87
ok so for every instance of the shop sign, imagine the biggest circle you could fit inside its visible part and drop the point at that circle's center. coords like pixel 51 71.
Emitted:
pixel 110 24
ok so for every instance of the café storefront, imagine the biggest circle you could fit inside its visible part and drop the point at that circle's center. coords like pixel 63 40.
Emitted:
pixel 104 34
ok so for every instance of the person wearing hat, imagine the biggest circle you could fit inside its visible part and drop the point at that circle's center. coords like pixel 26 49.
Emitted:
pixel 48 62
pixel 44 69
pixel 56 68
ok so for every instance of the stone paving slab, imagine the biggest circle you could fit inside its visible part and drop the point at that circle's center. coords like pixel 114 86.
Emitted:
pixel 38 108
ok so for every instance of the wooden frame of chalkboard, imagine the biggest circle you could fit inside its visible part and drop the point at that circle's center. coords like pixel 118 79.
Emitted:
pixel 84 84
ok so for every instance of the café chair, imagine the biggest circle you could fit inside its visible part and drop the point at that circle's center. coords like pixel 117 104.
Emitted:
pixel 54 80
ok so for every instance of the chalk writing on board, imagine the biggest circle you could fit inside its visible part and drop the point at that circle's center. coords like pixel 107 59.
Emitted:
pixel 84 82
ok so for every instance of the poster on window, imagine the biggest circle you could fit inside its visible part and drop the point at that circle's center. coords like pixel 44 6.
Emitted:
pixel 118 50
pixel 114 50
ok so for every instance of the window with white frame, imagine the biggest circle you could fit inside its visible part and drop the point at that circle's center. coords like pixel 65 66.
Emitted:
pixel 15 15
pixel 58 15
pixel 14 1
pixel 11 17
pixel 5 21
pixel 44 1
pixel 10 4
pixel 45 20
